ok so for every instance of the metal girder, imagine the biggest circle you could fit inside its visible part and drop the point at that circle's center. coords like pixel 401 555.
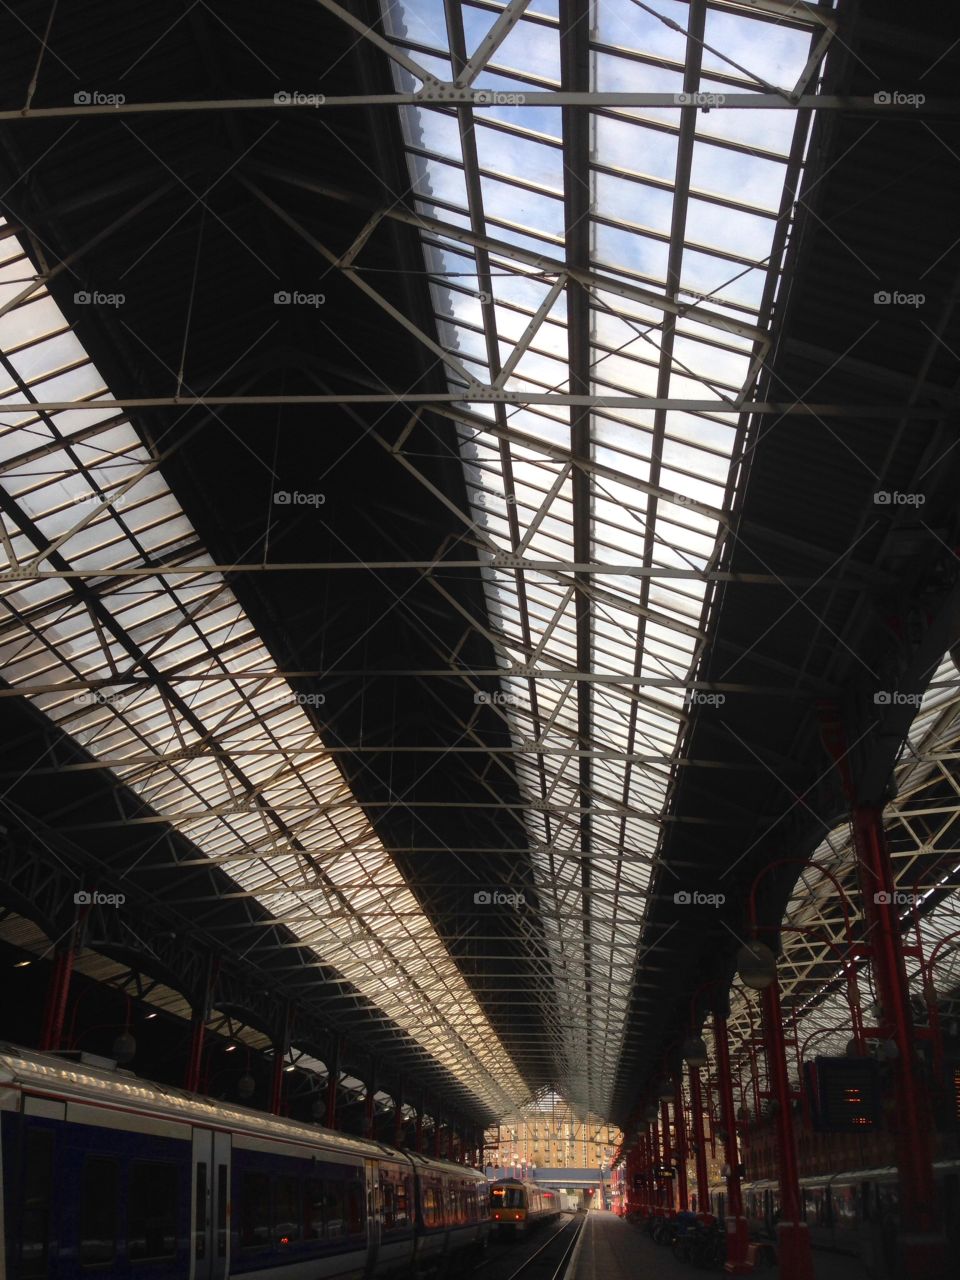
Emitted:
pixel 492 395
pixel 439 94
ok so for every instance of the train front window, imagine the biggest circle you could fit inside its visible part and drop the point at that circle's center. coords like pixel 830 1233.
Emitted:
pixel 507 1198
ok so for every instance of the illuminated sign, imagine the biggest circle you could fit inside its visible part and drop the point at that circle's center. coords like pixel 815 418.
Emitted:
pixel 848 1094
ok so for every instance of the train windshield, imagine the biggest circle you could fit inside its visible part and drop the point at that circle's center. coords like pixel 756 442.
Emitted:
pixel 507 1197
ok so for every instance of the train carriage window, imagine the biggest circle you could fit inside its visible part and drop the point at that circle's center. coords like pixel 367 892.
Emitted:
pixel 152 1210
pixel 431 1207
pixel 387 1201
pixel 404 1201
pixel 286 1211
pixel 336 1214
pixel 355 1224
pixel 254 1211
pixel 99 1197
pixel 37 1187
pixel 313 1203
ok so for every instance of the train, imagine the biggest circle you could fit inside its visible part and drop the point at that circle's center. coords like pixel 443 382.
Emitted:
pixel 855 1212
pixel 104 1173
pixel 516 1207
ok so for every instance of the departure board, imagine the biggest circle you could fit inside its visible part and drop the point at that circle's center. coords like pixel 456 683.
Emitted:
pixel 848 1094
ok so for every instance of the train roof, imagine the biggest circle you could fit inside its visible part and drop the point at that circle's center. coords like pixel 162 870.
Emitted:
pixel 120 1089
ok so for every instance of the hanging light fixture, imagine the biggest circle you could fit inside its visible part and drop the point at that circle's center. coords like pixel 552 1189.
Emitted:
pixel 695 1051
pixel 757 966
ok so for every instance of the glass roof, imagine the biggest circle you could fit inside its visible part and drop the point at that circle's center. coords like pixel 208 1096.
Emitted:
pixel 679 213
pixel 168 684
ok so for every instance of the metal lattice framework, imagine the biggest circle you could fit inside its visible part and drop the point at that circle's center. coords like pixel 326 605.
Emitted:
pixel 921 827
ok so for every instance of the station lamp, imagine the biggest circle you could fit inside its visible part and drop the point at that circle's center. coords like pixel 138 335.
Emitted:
pixel 695 1051
pixel 757 966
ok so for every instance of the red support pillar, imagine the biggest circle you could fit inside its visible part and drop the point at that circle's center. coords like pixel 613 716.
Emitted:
pixel 368 1111
pixel 280 1050
pixel 333 1085
pixel 923 1249
pixel 680 1137
pixel 418 1132
pixel 436 1137
pixel 793 1235
pixel 736 1223
pixel 667 1156
pixel 57 995
pixel 199 1027
pixel 700 1154
pixel 398 1119
pixel 276 1081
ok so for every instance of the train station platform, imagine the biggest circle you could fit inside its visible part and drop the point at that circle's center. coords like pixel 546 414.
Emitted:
pixel 612 1249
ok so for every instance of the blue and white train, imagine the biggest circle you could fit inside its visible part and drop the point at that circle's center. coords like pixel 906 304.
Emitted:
pixel 104 1175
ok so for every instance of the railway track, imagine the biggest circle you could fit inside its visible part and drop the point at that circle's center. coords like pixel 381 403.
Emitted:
pixel 547 1262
